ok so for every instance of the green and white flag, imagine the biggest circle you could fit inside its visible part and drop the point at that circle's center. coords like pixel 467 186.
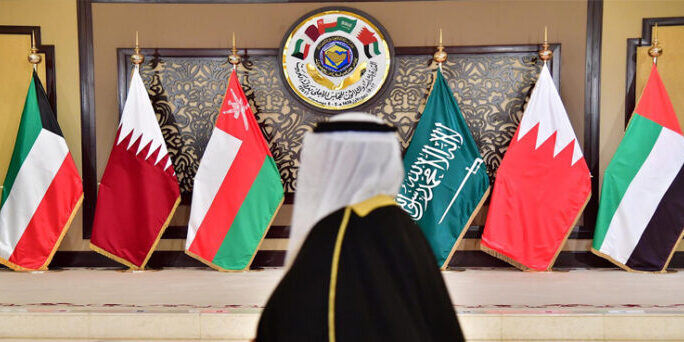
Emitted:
pixel 446 180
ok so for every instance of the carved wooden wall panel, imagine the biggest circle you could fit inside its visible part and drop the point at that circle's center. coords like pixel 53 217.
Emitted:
pixel 186 92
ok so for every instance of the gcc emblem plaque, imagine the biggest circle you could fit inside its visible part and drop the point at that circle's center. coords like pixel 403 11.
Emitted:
pixel 336 58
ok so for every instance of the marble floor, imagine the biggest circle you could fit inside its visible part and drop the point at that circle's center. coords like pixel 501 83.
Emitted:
pixel 201 304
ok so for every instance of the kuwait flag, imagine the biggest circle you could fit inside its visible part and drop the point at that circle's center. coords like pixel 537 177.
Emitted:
pixel 541 187
pixel 237 189
pixel 139 192
pixel 42 188
pixel 641 212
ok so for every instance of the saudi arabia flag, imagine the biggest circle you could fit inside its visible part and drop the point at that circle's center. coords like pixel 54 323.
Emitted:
pixel 42 189
pixel 446 180
pixel 641 212
pixel 237 189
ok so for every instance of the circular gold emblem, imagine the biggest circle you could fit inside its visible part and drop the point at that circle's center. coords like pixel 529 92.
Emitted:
pixel 336 58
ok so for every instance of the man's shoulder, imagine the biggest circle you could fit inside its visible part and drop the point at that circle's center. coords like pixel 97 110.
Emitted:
pixel 367 206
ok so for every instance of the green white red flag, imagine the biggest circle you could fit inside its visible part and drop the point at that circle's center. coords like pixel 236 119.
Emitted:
pixel 641 213
pixel 42 189
pixel 237 189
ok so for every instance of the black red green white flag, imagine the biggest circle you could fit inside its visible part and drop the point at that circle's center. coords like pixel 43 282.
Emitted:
pixel 42 189
pixel 641 212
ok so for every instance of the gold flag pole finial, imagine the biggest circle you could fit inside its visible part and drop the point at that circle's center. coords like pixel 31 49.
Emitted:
pixel 234 59
pixel 655 51
pixel 440 56
pixel 137 58
pixel 545 53
pixel 33 57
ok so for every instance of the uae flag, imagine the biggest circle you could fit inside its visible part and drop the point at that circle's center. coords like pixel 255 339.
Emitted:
pixel 446 180
pixel 237 189
pixel 641 212
pixel 42 189
pixel 139 192
pixel 541 187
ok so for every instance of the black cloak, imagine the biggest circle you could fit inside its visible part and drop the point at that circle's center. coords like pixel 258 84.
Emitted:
pixel 386 285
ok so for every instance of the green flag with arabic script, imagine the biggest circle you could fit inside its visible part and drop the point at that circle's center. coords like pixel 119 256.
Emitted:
pixel 446 179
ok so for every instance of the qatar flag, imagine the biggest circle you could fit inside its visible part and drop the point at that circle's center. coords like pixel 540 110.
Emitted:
pixel 541 187
pixel 139 191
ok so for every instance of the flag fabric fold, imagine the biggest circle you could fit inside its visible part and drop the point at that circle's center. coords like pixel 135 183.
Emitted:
pixel 138 193
pixel 42 190
pixel 446 179
pixel 641 212
pixel 237 189
pixel 541 187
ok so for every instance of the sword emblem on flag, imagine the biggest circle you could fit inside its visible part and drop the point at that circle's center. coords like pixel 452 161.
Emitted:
pixel 443 167
pixel 471 170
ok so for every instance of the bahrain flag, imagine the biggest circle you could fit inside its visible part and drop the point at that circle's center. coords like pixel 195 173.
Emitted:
pixel 139 191
pixel 541 187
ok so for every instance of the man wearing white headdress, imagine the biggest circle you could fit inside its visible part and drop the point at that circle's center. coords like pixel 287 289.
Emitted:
pixel 359 267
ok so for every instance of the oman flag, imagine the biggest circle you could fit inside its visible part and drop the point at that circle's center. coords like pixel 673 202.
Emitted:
pixel 641 213
pixel 42 189
pixel 139 192
pixel 541 187
pixel 237 188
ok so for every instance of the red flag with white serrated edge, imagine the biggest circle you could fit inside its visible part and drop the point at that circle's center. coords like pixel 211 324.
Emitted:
pixel 139 191
pixel 541 187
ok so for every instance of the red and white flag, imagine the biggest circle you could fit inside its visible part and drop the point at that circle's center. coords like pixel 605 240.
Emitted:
pixel 139 192
pixel 541 187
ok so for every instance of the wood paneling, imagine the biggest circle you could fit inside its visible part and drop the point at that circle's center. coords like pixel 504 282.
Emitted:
pixel 507 23
pixel 15 77
pixel 592 107
pixel 670 64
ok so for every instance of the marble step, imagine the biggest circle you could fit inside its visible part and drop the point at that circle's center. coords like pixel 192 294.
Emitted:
pixel 233 325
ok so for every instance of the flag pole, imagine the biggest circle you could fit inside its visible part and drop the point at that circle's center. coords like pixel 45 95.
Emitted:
pixel 655 51
pixel 33 57
pixel 545 53
pixel 440 56
pixel 137 58
pixel 234 59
